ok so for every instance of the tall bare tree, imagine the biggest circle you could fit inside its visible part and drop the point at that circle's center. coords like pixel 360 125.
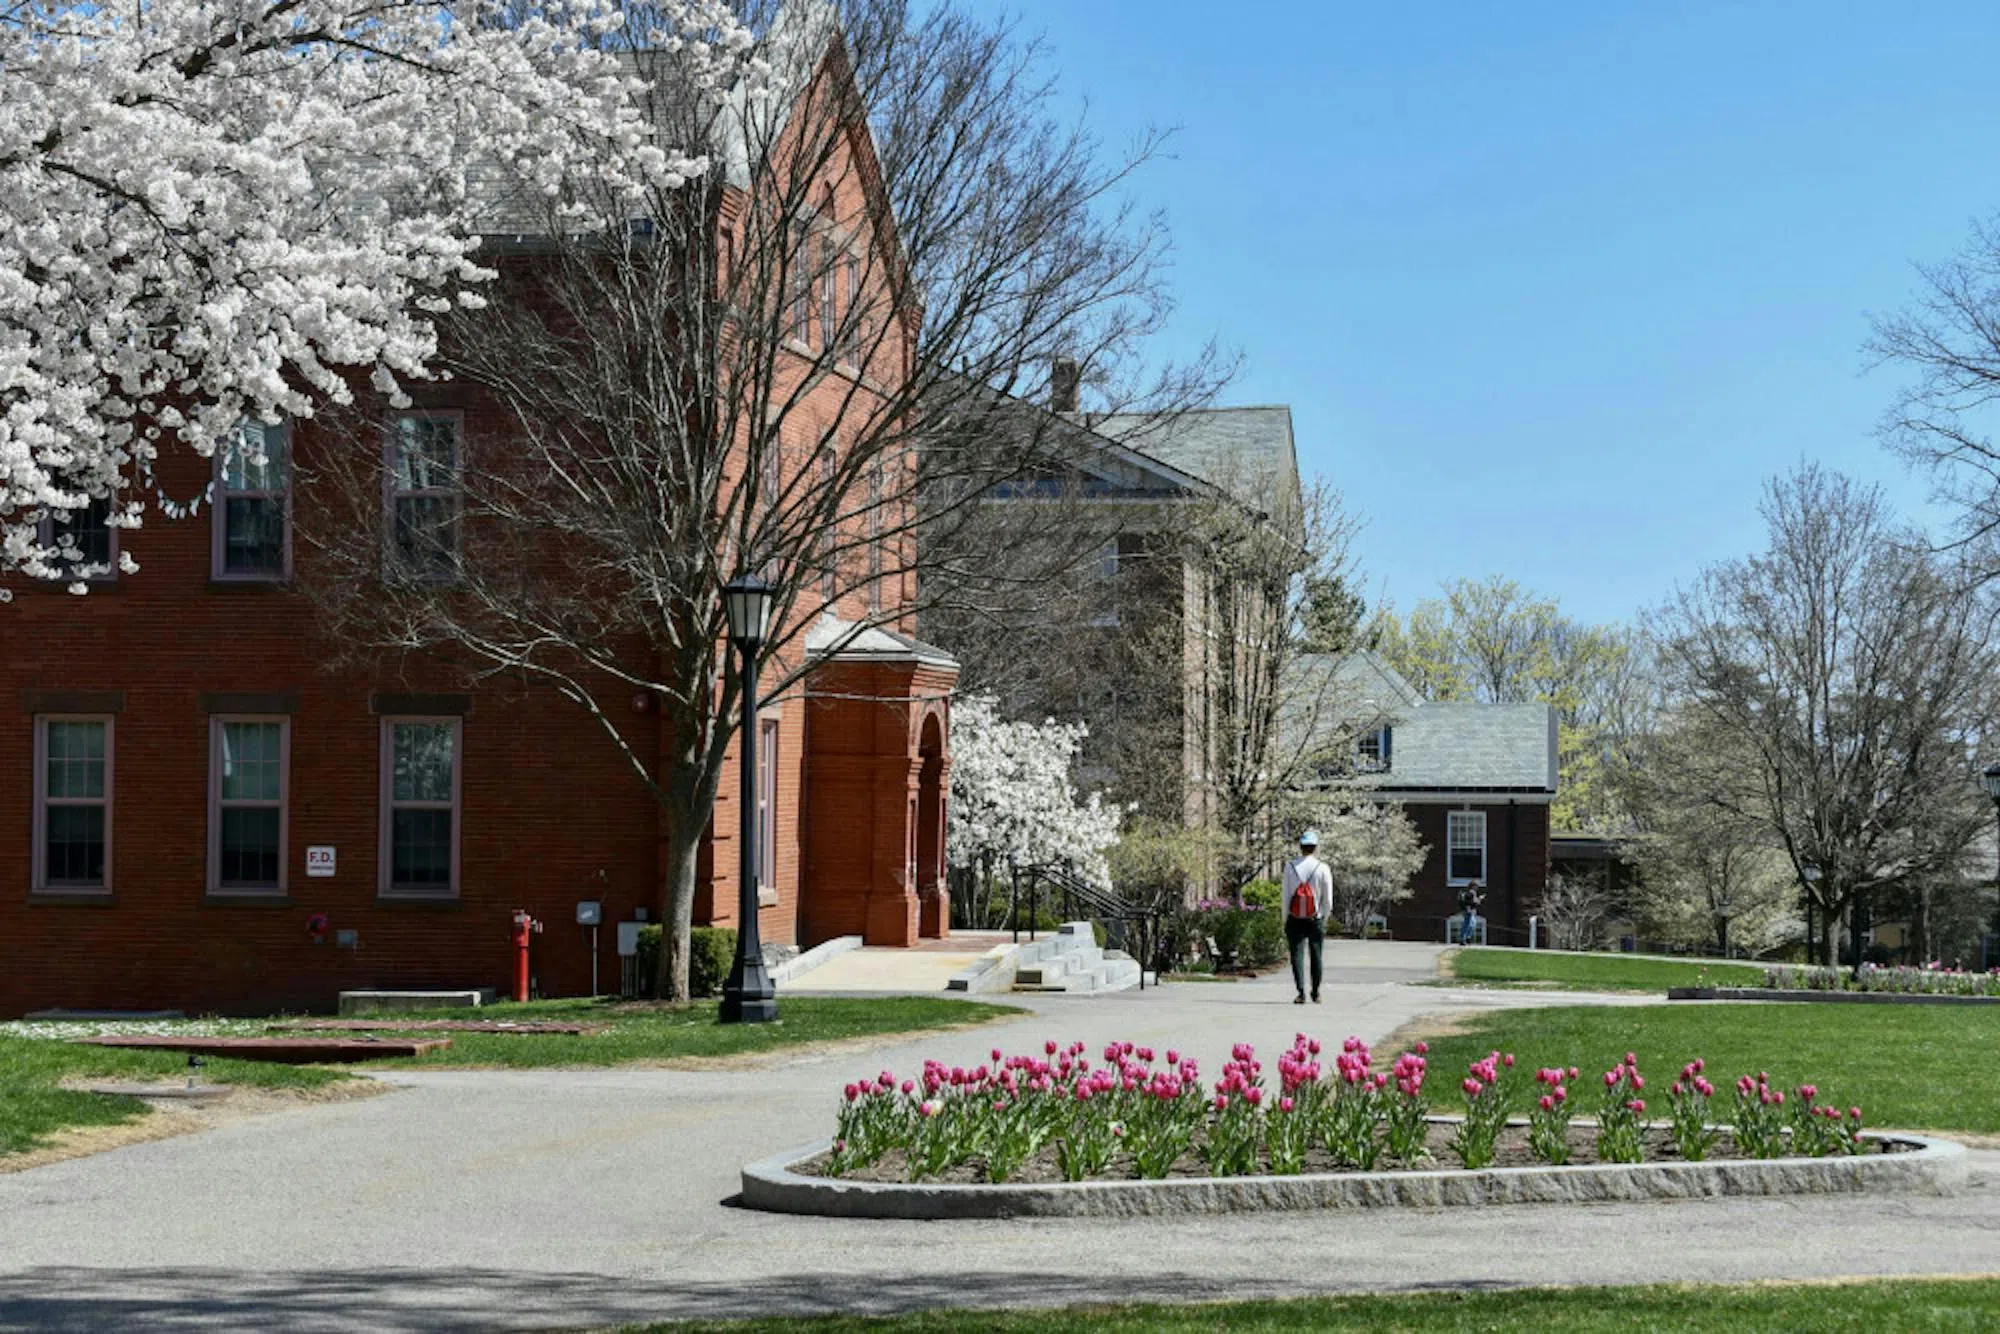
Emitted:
pixel 1853 667
pixel 796 364
pixel 1942 421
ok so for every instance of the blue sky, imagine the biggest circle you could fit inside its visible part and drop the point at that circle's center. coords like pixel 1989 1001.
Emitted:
pixel 1551 288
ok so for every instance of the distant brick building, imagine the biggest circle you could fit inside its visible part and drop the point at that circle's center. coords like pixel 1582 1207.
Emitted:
pixel 186 789
pixel 1476 779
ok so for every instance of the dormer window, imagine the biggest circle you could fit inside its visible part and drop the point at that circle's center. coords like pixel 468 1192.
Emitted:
pixel 1371 751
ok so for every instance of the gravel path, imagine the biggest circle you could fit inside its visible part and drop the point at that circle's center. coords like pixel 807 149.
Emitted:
pixel 539 1200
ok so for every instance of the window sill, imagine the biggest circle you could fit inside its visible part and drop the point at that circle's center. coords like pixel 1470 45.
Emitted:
pixel 246 898
pixel 73 898
pixel 392 899
pixel 216 581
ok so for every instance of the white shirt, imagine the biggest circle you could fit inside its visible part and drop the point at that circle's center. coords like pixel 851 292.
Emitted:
pixel 1308 870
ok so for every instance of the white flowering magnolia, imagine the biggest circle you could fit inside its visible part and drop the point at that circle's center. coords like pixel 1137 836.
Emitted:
pixel 219 208
pixel 1372 849
pixel 1012 794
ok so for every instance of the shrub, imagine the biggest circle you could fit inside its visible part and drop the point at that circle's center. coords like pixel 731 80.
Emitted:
pixel 1263 941
pixel 1262 893
pixel 711 953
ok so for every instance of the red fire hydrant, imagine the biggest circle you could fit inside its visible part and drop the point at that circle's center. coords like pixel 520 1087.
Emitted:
pixel 525 929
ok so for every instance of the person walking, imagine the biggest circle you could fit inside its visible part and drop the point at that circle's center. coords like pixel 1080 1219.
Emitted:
pixel 1308 894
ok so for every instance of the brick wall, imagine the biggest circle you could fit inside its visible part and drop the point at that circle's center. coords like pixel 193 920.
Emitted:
pixel 1517 871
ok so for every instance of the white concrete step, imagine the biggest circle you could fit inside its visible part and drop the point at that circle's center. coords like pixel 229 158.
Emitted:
pixel 1070 961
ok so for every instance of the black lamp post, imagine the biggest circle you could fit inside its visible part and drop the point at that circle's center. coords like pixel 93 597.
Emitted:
pixel 748 997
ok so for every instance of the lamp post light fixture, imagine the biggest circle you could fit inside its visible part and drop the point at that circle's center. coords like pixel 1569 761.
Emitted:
pixel 748 997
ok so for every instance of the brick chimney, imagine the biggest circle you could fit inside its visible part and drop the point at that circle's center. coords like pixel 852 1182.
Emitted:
pixel 1064 377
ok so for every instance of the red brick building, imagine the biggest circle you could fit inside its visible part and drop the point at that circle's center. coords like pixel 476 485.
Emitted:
pixel 196 813
pixel 1476 779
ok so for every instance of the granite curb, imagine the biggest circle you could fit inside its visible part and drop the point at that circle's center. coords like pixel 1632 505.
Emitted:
pixel 1931 1167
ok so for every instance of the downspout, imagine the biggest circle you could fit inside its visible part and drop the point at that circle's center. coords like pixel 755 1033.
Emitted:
pixel 1513 866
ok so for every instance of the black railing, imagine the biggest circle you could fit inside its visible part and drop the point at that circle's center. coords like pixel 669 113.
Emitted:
pixel 1080 900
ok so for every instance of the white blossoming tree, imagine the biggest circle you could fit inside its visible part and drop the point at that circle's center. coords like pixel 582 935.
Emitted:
pixel 219 208
pixel 1012 796
pixel 1372 849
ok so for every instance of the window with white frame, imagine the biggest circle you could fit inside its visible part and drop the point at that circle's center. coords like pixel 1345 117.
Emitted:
pixel 851 336
pixel 253 503
pixel 420 807
pixel 248 760
pixel 72 835
pixel 424 451
pixel 801 282
pixel 829 294
pixel 1465 846
pixel 767 808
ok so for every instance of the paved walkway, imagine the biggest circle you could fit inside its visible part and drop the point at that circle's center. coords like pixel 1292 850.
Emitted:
pixel 880 970
pixel 519 1200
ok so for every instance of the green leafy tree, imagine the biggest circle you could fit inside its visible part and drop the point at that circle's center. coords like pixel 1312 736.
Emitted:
pixel 1493 641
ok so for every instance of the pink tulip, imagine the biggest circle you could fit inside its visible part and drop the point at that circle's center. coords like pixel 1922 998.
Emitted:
pixel 1637 1104
pixel 1510 1060
pixel 1423 1049
pixel 1222 1102
pixel 1472 1088
pixel 1548 1103
pixel 909 1087
pixel 1173 1057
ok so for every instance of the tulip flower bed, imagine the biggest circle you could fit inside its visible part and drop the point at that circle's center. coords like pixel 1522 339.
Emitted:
pixel 1060 1115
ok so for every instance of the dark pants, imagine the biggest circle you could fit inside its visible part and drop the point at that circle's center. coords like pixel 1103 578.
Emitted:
pixel 1305 935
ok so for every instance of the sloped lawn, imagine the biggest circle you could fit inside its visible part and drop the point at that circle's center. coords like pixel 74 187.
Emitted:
pixel 1597 972
pixel 1908 1067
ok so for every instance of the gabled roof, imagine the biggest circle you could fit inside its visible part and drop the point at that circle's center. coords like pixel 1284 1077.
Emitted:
pixel 832 639
pixel 1248 452
pixel 1435 748
pixel 1464 747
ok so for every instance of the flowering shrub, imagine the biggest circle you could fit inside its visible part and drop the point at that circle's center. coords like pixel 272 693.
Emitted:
pixel 1548 1120
pixel 1153 1113
pixel 1759 1119
pixel 1928 980
pixel 1485 1111
pixel 1620 1132
pixel 1688 1112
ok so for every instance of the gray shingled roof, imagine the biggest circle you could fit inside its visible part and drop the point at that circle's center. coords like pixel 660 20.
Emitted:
pixel 1248 452
pixel 1464 747
pixel 1433 747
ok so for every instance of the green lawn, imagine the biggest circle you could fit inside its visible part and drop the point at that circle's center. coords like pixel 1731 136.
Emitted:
pixel 659 1033
pixel 1913 1067
pixel 31 1106
pixel 1597 972
pixel 1935 1304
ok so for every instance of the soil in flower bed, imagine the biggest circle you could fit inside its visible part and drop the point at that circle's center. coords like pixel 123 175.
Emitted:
pixel 1511 1151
